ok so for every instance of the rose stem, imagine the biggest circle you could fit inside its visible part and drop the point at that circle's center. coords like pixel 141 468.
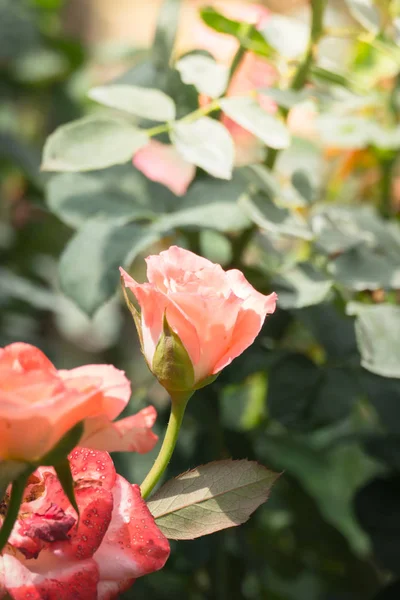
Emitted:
pixel 179 402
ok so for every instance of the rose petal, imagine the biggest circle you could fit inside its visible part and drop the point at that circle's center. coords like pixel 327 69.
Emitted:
pixel 50 577
pixel 132 434
pixel 162 163
pixel 92 466
pixel 154 304
pixel 109 590
pixel 113 384
pixel 132 539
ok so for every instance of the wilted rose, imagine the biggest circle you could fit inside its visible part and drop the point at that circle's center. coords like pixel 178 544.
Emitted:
pixel 39 404
pixel 50 554
pixel 216 314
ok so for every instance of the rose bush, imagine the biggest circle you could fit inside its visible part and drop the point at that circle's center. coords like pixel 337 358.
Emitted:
pixel 51 554
pixel 39 404
pixel 217 314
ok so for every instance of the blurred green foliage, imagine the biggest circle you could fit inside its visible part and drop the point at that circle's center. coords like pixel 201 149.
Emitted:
pixel 318 394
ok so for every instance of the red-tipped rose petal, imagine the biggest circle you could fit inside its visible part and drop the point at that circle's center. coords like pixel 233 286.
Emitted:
pixel 133 540
pixel 93 466
pixel 49 578
pixel 95 506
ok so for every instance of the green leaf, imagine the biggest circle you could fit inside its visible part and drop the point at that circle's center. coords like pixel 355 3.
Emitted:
pixel 171 362
pixel 89 264
pixel 366 13
pixel 292 387
pixel 302 183
pixel 301 286
pixel 267 215
pixel 208 77
pixel 147 103
pixel 210 498
pixel 117 195
pixel 249 114
pixel 249 37
pixel 207 144
pixel 285 98
pixel 9 471
pixel 212 204
pixel 13 504
pixel 63 470
pixel 63 447
pixel 91 143
pixel 377 331
pixel 364 268
pixel 262 179
pixel 166 30
pixel 329 476
pixel 326 76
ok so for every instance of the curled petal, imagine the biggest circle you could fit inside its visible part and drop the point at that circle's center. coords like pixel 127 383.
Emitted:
pixel 110 590
pixel 132 434
pixel 133 539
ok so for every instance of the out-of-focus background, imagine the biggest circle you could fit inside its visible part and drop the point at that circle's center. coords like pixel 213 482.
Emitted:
pixel 318 395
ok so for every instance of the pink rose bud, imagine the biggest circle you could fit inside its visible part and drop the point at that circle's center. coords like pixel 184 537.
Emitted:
pixel 40 404
pixel 53 554
pixel 195 317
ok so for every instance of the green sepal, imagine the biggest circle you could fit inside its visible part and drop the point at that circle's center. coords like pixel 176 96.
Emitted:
pixel 61 450
pixel 63 470
pixel 171 362
pixel 206 381
pixel 135 314
pixel 9 471
pixel 14 503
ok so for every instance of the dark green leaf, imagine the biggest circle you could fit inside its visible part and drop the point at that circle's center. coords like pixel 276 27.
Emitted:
pixel 166 30
pixel 248 35
pixel 63 447
pixel 267 215
pixel 89 265
pixel 63 470
pixel 13 505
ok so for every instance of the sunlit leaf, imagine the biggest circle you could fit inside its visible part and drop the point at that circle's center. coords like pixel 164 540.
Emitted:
pixel 143 102
pixel 210 498
pixel 366 13
pixel 249 114
pixel 301 286
pixel 91 143
pixel 208 77
pixel 207 144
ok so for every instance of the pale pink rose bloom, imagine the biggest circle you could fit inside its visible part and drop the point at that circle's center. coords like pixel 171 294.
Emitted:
pixel 50 554
pixel 163 163
pixel 217 314
pixel 39 404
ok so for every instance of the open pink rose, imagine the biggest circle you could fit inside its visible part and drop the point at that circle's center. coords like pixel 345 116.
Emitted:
pixel 52 556
pixel 39 404
pixel 217 314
